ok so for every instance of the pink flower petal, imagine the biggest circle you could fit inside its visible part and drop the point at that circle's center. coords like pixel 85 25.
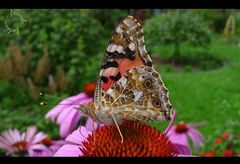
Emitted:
pixel 39 150
pixel 53 113
pixel 78 136
pixel 90 124
pixel 58 142
pixel 64 114
pixel 54 148
pixel 16 135
pixel 46 153
pixel 194 135
pixel 68 151
pixel 198 134
pixel 23 136
pixel 5 141
pixel 63 104
pixel 3 145
pixel 75 98
pixel 179 138
pixel 38 137
pixel 86 100
pixel 183 149
pixel 30 133
pixel 38 147
pixel 171 122
pixel 183 155
pixel 6 135
pixel 69 123
pixel 171 130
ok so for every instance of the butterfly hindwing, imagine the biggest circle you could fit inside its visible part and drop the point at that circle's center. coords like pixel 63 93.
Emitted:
pixel 139 95
pixel 125 51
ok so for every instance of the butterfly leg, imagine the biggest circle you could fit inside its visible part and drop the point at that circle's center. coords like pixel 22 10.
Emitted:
pixel 132 115
pixel 117 126
pixel 94 131
pixel 137 116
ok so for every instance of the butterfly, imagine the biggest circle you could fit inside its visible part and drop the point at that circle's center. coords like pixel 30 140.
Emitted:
pixel 128 87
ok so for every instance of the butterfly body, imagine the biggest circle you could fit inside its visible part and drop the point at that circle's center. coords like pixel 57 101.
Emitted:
pixel 128 88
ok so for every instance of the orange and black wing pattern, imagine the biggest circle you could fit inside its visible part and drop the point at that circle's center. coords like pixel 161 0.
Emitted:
pixel 125 51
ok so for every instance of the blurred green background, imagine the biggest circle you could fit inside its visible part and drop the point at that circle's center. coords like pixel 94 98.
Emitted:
pixel 58 51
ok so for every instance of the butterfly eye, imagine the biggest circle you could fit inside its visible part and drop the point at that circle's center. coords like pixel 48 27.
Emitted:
pixel 148 83
pixel 156 103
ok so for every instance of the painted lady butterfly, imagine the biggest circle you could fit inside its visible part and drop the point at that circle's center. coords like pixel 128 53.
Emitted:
pixel 128 88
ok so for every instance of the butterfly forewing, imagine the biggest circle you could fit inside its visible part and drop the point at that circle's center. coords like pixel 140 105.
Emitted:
pixel 125 51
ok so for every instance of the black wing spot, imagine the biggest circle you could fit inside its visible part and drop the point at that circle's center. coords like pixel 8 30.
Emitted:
pixel 116 78
pixel 148 83
pixel 104 79
pixel 129 53
pixel 149 64
pixel 110 64
pixel 156 103
pixel 112 77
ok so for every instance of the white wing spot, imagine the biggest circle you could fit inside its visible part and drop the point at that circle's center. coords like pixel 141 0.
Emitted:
pixel 132 46
pixel 114 47
pixel 119 49
pixel 137 95
pixel 123 82
pixel 109 47
pixel 119 30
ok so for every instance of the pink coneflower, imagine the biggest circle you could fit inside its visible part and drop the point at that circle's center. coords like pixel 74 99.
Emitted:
pixel 13 141
pixel 46 148
pixel 179 134
pixel 74 143
pixel 140 140
pixel 67 116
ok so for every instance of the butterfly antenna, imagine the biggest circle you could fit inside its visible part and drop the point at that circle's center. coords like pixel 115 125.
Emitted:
pixel 94 131
pixel 58 98
pixel 117 126
pixel 54 97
